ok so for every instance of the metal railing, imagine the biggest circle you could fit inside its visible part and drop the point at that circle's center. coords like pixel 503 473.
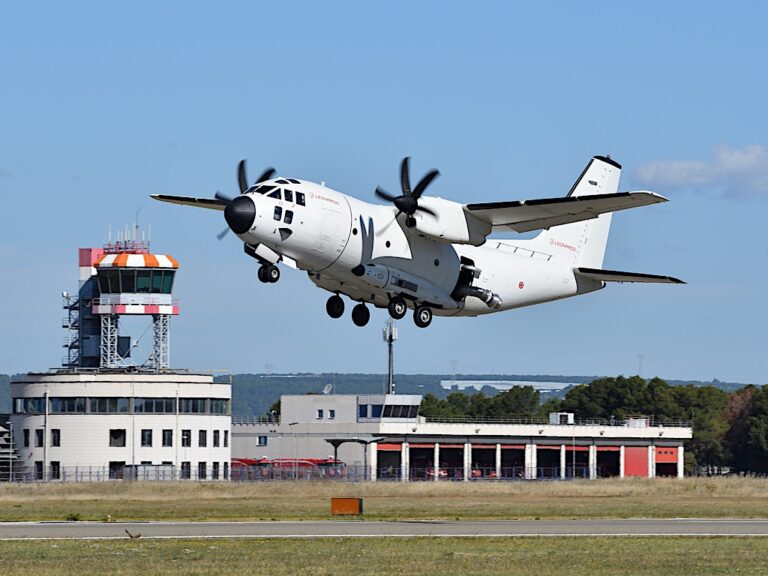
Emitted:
pixel 630 422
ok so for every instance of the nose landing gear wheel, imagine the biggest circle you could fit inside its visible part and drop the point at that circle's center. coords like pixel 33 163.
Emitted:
pixel 335 306
pixel 269 273
pixel 397 307
pixel 361 315
pixel 422 316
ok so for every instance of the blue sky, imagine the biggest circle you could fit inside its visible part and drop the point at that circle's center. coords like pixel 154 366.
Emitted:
pixel 104 103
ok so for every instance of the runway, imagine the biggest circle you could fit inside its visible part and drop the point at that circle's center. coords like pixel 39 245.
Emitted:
pixel 369 529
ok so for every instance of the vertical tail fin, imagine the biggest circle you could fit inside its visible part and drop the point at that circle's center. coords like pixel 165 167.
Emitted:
pixel 585 242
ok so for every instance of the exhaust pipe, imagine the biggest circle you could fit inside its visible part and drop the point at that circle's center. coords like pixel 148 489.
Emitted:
pixel 491 299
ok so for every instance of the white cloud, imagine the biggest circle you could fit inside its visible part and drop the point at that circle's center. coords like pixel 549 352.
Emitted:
pixel 731 171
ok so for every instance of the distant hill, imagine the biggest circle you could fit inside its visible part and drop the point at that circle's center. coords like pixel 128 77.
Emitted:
pixel 253 394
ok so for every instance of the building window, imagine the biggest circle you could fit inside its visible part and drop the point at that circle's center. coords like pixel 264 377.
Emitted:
pixel 215 471
pixel 262 441
pixel 167 438
pixel 226 470
pixel 226 438
pixel 186 470
pixel 117 470
pixel 192 405
pixel 362 411
pixel 55 437
pixel 216 435
pixel 331 414
pixel 319 414
pixel 186 438
pixel 55 470
pixel 146 438
pixel 201 470
pixel 26 437
pixel 202 439
pixel 376 410
pixel 39 435
pixel 154 405
pixel 117 438
pixel 38 469
pixel 67 405
pixel 219 406
pixel 108 405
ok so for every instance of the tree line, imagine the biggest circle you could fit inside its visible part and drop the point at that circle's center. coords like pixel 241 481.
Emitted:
pixel 730 429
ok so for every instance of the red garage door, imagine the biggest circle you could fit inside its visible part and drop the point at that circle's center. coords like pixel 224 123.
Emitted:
pixel 636 461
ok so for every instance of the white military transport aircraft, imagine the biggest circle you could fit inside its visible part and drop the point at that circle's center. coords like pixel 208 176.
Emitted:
pixel 426 253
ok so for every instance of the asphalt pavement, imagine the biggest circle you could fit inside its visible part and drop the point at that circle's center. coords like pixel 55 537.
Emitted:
pixel 370 529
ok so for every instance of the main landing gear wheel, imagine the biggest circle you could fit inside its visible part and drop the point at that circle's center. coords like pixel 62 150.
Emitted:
pixel 397 307
pixel 422 316
pixel 335 306
pixel 361 315
pixel 269 273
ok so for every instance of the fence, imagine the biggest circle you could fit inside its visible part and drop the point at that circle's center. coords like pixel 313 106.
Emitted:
pixel 291 473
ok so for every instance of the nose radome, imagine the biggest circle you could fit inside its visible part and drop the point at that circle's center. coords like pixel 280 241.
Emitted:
pixel 240 214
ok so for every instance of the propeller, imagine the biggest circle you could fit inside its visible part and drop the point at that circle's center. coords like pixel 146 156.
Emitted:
pixel 408 202
pixel 242 182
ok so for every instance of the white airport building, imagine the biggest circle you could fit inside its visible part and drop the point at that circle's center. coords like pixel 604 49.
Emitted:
pixel 383 437
pixel 105 415
pixel 90 425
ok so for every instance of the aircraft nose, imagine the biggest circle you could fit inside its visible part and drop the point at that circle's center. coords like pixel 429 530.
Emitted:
pixel 240 214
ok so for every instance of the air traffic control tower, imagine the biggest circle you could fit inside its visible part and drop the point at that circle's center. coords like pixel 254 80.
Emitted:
pixel 121 279
pixel 105 414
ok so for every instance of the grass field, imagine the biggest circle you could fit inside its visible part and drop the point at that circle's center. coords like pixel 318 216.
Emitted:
pixel 414 557
pixel 610 498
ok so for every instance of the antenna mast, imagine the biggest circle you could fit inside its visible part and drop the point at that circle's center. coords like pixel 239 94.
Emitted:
pixel 390 335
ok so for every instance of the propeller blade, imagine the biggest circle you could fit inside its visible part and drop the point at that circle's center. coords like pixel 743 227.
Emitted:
pixel 427 210
pixel 405 181
pixel 424 182
pixel 223 233
pixel 266 175
pixel 384 196
pixel 220 196
pixel 241 178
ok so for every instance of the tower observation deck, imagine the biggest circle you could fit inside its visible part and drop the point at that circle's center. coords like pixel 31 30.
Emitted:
pixel 122 278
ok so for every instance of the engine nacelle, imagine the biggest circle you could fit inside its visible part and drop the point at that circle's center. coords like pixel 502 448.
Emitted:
pixel 398 281
pixel 452 223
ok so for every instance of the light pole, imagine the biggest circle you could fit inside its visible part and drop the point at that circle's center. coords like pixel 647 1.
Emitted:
pixel 295 463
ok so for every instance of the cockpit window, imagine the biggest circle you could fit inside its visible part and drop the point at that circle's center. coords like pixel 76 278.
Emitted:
pixel 281 181
pixel 293 181
pixel 265 189
pixel 275 194
pixel 278 213
pixel 288 195
pixel 300 198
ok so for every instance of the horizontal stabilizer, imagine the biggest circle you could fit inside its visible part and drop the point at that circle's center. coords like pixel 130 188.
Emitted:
pixel 616 276
pixel 210 203
pixel 527 215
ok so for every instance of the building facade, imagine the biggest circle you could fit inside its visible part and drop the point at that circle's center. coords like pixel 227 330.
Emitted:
pixel 382 437
pixel 76 425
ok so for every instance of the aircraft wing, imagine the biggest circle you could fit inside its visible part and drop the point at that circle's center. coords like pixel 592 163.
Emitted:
pixel 616 276
pixel 210 203
pixel 527 215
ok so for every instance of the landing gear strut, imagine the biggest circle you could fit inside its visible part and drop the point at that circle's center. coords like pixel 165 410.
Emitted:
pixel 269 273
pixel 397 307
pixel 361 315
pixel 335 306
pixel 422 316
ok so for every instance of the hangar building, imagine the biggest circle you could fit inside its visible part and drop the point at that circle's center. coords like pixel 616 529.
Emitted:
pixel 383 437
